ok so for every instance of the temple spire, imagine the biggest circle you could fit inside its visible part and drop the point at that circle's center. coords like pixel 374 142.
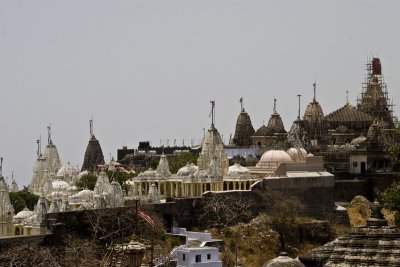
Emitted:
pixel 49 134
pixel 298 115
pixel 315 90
pixel 212 114
pixel 91 127
pixel 39 147
pixel 1 167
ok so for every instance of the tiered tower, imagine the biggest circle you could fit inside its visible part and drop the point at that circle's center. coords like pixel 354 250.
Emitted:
pixel 244 129
pixel 374 96
pixel 46 165
pixel 6 209
pixel 212 160
pixel 93 155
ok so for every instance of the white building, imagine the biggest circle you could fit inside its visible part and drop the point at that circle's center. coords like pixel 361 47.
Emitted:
pixel 196 257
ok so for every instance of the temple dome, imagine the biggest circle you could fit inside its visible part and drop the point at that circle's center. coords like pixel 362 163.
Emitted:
pixel 294 153
pixel 85 194
pixel 313 112
pixel 148 173
pixel 283 260
pixel 60 185
pixel 23 215
pixel 276 156
pixel 237 169
pixel 187 170
pixel 357 141
pixel 67 170
pixel 83 173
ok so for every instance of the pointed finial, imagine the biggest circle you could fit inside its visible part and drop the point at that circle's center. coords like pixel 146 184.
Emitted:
pixel 39 147
pixel 91 127
pixel 1 167
pixel 274 105
pixel 212 114
pixel 315 89
pixel 241 104
pixel 347 97
pixel 298 115
pixel 12 175
pixel 49 134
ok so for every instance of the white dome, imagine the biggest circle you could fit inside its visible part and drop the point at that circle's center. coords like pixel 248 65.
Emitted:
pixel 60 185
pixel 187 170
pixel 149 173
pixel 237 169
pixel 276 156
pixel 86 195
pixel 294 153
pixel 82 174
pixel 57 195
pixel 67 170
pixel 24 214
pixel 357 141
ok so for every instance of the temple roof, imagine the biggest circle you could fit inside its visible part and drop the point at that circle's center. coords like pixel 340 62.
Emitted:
pixel 243 130
pixel 348 113
pixel 375 244
pixel 313 112
pixel 93 155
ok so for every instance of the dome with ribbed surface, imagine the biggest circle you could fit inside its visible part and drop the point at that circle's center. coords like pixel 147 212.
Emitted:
pixel 275 156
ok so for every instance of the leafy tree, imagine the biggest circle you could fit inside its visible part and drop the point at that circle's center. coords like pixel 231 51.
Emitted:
pixel 180 160
pixel 391 200
pixel 153 163
pixel 22 199
pixel 17 202
pixel 87 181
pixel 394 150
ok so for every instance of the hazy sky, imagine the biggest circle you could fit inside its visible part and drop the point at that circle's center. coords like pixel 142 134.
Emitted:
pixel 146 70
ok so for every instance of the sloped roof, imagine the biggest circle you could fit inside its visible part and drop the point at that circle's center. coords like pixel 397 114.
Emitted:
pixel 375 244
pixel 348 113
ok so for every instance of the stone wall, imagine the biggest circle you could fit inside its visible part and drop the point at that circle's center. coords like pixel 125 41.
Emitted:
pixel 316 193
pixel 367 185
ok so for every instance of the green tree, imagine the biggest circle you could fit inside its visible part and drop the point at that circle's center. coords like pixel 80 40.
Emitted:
pixel 87 181
pixel 178 161
pixel 17 202
pixel 22 199
pixel 391 200
pixel 394 150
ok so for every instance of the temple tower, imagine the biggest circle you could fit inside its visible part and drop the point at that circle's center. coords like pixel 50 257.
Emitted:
pixel 244 129
pixel 374 96
pixel 272 133
pixel 46 165
pixel 93 155
pixel 6 209
pixel 314 120
pixel 212 160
